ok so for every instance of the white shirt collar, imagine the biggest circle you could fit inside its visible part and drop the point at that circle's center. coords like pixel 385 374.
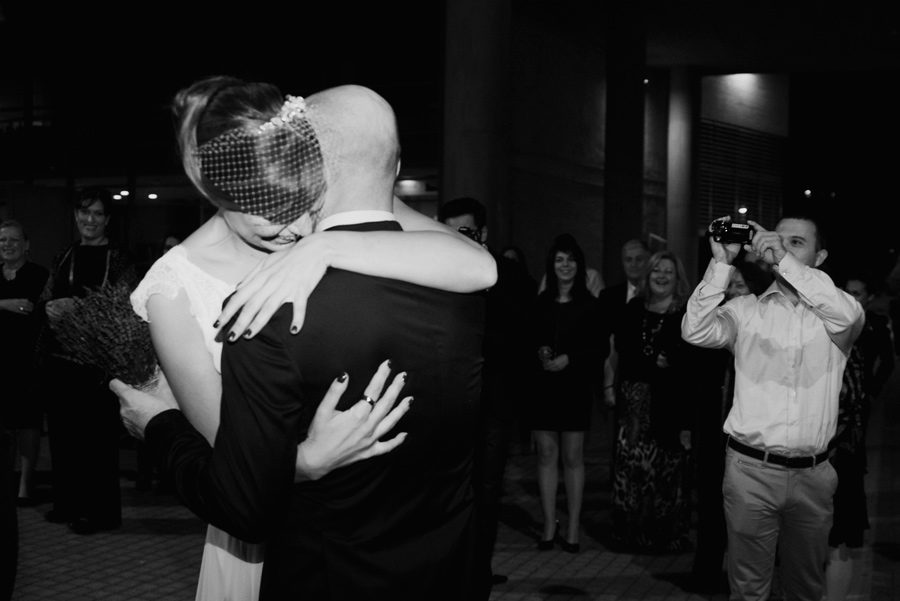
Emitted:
pixel 630 292
pixel 354 217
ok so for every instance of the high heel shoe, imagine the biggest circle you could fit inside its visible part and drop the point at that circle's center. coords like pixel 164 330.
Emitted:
pixel 568 547
pixel 546 545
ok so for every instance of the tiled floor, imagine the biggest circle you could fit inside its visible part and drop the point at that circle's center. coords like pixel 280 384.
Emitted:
pixel 156 554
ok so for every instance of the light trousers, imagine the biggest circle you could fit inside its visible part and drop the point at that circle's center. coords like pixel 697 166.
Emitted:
pixel 767 508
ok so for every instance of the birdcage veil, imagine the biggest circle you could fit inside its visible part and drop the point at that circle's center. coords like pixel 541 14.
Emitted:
pixel 274 170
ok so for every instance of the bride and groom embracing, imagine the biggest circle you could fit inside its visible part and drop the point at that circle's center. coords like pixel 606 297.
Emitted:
pixel 396 521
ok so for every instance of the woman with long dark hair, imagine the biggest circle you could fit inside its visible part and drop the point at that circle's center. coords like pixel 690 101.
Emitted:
pixel 569 348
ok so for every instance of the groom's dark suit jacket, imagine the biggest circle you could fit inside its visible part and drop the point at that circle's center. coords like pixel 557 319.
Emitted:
pixel 399 526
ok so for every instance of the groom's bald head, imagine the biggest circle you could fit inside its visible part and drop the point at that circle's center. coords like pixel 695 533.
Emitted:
pixel 357 131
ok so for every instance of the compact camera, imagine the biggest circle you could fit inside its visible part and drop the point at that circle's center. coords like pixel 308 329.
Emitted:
pixel 731 232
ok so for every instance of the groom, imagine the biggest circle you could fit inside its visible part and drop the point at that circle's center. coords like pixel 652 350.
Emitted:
pixel 399 526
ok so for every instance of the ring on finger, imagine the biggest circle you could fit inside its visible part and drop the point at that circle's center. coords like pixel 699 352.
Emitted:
pixel 368 399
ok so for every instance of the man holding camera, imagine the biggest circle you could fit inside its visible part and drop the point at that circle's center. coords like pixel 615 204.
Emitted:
pixel 790 346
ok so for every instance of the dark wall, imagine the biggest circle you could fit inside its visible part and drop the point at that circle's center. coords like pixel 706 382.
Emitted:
pixel 843 147
pixel 557 136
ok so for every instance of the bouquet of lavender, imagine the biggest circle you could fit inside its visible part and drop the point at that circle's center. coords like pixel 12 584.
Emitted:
pixel 103 331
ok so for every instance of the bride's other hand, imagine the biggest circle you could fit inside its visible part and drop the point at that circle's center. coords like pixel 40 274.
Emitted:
pixel 339 438
pixel 287 276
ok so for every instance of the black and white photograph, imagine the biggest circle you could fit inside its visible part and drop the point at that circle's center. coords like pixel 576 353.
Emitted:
pixel 456 300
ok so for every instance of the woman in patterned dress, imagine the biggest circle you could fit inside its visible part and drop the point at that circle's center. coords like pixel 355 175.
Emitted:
pixel 651 507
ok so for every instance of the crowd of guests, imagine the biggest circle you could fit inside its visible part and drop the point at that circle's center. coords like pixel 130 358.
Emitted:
pixel 47 393
pixel 554 351
pixel 671 400
pixel 625 347
pixel 45 389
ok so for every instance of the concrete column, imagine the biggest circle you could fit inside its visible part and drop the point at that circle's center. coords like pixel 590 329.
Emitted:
pixel 680 206
pixel 476 85
pixel 624 152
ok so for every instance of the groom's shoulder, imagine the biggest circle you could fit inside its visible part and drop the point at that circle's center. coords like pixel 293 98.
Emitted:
pixel 342 283
pixel 345 291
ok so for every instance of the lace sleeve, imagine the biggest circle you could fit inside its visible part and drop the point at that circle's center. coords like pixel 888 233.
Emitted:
pixel 161 278
pixel 174 272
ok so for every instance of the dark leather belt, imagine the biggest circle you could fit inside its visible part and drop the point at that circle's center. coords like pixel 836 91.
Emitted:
pixel 792 462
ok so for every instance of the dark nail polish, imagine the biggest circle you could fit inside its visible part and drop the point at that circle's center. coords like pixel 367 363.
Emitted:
pixel 389 364
pixel 247 333
pixel 403 376
pixel 342 378
pixel 294 329
pixel 232 337
pixel 216 324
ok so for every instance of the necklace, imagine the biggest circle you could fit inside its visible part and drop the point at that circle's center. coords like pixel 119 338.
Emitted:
pixel 649 333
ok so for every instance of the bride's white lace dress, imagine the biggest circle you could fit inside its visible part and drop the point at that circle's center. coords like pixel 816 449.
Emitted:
pixel 231 568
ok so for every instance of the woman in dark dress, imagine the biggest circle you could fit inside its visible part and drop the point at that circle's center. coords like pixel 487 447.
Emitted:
pixel 20 288
pixel 651 509
pixel 570 349
pixel 83 425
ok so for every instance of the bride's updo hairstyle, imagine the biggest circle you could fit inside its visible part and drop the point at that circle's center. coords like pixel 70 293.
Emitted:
pixel 246 147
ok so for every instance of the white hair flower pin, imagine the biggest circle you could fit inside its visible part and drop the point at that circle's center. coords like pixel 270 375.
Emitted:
pixel 294 107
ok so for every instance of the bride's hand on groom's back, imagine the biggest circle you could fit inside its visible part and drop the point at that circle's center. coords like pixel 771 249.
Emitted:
pixel 338 438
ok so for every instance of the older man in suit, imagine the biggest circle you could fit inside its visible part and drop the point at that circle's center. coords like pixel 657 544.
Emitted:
pixel 397 526
pixel 613 299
